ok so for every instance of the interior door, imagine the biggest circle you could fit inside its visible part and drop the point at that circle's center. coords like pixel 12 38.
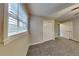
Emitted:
pixel 48 30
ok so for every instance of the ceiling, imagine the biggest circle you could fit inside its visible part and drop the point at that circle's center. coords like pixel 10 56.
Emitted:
pixel 59 11
pixel 46 9
pixel 67 13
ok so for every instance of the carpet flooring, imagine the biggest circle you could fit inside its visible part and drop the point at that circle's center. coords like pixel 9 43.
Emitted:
pixel 58 47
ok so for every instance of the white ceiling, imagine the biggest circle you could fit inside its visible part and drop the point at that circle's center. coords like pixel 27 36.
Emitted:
pixel 67 13
pixel 59 11
pixel 46 9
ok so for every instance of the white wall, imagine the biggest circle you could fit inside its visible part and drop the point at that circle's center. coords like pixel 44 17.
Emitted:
pixel 38 28
pixel 75 29
pixel 66 30
pixel 1 21
pixel 57 28
pixel 18 47
pixel 14 45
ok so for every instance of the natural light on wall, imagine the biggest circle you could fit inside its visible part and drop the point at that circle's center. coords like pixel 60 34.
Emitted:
pixel 17 20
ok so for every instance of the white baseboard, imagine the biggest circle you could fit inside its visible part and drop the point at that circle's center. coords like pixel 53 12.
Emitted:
pixel 36 43
pixel 39 42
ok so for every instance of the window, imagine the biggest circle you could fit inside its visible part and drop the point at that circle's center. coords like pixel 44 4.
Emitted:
pixel 17 20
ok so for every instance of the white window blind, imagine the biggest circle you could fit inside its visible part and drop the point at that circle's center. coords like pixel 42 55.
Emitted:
pixel 17 20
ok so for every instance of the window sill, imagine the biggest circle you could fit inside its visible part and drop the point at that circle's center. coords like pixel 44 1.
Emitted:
pixel 16 33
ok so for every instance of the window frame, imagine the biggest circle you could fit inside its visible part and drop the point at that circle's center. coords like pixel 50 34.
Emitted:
pixel 18 21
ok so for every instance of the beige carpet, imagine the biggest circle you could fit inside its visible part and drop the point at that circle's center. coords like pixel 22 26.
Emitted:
pixel 59 47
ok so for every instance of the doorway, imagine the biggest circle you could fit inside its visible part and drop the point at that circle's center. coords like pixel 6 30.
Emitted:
pixel 66 30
